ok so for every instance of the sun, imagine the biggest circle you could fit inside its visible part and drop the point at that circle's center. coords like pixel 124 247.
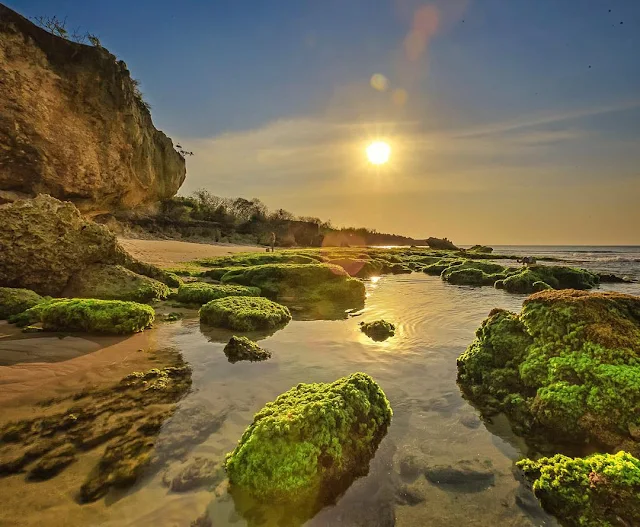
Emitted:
pixel 378 152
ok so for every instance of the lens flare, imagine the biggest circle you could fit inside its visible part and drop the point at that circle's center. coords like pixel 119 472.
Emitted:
pixel 378 152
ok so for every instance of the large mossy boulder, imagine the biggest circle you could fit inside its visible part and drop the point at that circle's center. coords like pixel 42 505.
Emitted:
pixel 201 292
pixel 14 301
pixel 309 444
pixel 95 316
pixel 244 313
pixel 601 490
pixel 45 242
pixel 114 282
pixel 301 284
pixel 567 368
pixel 540 277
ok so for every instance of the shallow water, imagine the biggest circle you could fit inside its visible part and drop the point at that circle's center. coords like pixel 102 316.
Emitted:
pixel 416 369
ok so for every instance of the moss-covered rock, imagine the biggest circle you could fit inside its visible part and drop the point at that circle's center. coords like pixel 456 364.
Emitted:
pixel 201 292
pixel 537 277
pixel 311 442
pixel 252 259
pixel 14 301
pixel 242 348
pixel 360 268
pixel 244 313
pixel 114 282
pixel 566 368
pixel 601 490
pixel 483 249
pixel 304 284
pixel 378 330
pixel 95 316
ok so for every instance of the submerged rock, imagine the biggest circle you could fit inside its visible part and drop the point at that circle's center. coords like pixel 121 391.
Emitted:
pixel 309 284
pixel 243 313
pixel 242 348
pixel 465 476
pixel 378 330
pixel 311 442
pixel 14 301
pixel 201 292
pixel 114 282
pixel 566 368
pixel 199 472
pixel 602 489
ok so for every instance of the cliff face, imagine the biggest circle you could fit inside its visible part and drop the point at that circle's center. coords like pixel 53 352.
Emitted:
pixel 72 126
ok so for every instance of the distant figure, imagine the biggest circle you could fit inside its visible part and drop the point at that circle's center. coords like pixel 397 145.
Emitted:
pixel 527 260
pixel 273 241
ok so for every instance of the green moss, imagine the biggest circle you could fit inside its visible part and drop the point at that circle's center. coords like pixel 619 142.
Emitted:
pixel 32 315
pixel 573 358
pixel 378 330
pixel 251 259
pixel 304 284
pixel 114 282
pixel 242 348
pixel 360 268
pixel 312 441
pixel 100 316
pixel 473 277
pixel 539 277
pixel 437 268
pixel 201 293
pixel 243 313
pixel 14 301
pixel 601 490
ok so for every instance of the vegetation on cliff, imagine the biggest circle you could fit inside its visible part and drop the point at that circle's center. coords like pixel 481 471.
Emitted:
pixel 311 442
pixel 599 490
pixel 567 367
pixel 244 313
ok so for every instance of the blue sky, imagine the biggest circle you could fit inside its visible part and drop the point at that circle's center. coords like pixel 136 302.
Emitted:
pixel 510 121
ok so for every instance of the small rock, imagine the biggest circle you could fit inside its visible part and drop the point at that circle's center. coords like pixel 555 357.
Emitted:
pixel 198 473
pixel 411 466
pixel 470 421
pixel 242 348
pixel 634 431
pixel 410 495
pixel 32 329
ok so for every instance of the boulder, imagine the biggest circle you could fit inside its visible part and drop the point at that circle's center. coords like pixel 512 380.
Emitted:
pixel 114 282
pixel 14 301
pixel 601 489
pixel 565 369
pixel 45 242
pixel 244 313
pixel 201 292
pixel 74 125
pixel 441 243
pixel 308 445
pixel 378 330
pixel 242 348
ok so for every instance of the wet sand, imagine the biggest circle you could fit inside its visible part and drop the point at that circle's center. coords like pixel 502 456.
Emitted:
pixel 167 253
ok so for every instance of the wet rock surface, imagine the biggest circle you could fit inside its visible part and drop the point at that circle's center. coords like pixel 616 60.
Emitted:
pixel 242 348
pixel 465 476
pixel 198 472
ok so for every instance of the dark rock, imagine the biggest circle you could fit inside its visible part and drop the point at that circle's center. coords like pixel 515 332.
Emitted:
pixel 411 466
pixel 410 495
pixel 53 463
pixel 243 348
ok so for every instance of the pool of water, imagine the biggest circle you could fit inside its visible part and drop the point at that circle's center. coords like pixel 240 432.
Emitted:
pixel 416 369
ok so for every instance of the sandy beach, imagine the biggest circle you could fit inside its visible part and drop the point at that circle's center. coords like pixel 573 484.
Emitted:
pixel 167 253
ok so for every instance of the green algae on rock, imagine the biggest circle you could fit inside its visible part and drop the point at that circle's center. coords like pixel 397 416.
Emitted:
pixel 14 301
pixel 311 442
pixel 114 282
pixel 566 368
pixel 536 278
pixel 378 330
pixel 599 490
pixel 99 316
pixel 244 313
pixel 201 292
pixel 302 283
pixel 243 348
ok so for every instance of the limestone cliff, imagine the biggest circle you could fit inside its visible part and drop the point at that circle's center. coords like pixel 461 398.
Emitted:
pixel 71 125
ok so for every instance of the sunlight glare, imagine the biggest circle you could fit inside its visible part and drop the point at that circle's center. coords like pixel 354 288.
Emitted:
pixel 378 152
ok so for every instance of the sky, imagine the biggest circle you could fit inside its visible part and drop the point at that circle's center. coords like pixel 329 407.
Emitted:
pixel 510 122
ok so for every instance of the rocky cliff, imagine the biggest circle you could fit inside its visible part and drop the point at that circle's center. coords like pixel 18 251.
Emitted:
pixel 73 125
